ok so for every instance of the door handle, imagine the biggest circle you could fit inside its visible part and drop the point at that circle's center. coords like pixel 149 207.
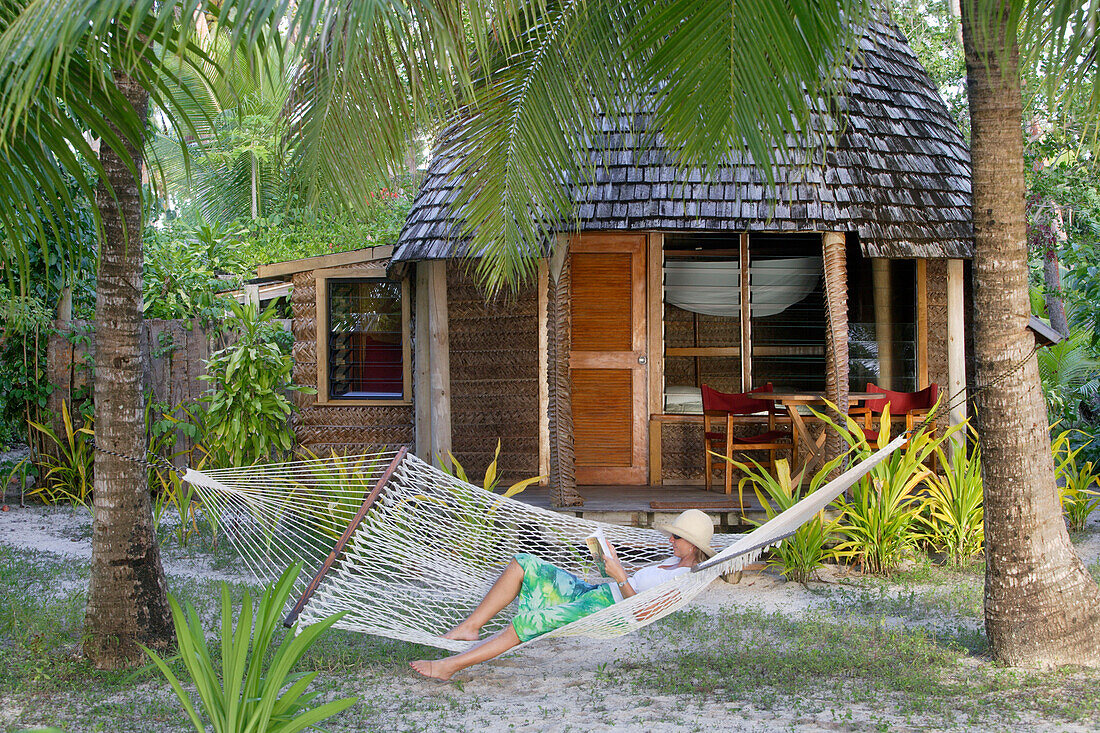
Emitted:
pixel 642 360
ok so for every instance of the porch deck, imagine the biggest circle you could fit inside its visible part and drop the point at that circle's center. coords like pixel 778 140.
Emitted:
pixel 644 506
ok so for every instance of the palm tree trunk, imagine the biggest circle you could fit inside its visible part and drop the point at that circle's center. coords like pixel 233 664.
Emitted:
pixel 563 477
pixel 1042 607
pixel 834 260
pixel 127 601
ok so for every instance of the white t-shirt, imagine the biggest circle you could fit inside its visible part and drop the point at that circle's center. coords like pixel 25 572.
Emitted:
pixel 652 576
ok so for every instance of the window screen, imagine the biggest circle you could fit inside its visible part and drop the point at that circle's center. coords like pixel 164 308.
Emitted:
pixel 365 339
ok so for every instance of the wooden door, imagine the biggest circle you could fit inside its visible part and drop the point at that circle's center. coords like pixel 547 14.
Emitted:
pixel 607 358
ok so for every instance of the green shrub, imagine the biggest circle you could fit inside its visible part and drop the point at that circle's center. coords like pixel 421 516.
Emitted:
pixel 247 413
pixel 1078 500
pixel 67 472
pixel 253 693
pixel 802 554
pixel 952 513
pixel 882 509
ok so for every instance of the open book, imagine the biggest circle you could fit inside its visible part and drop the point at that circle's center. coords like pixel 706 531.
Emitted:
pixel 597 545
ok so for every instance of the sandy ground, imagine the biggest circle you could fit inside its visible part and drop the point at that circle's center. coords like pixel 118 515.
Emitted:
pixel 551 685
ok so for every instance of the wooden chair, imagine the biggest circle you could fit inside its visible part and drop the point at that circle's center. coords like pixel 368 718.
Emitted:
pixel 912 406
pixel 721 412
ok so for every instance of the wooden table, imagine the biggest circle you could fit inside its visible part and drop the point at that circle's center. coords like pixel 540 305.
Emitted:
pixel 807 444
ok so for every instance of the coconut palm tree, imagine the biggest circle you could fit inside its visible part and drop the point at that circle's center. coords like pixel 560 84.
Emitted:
pixel 71 71
pixel 1042 606
pixel 237 165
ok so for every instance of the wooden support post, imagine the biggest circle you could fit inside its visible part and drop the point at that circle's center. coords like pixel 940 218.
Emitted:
pixel 922 323
pixel 746 316
pixel 544 383
pixel 422 386
pixel 439 361
pixel 655 299
pixel 563 477
pixel 884 321
pixel 956 345
pixel 835 260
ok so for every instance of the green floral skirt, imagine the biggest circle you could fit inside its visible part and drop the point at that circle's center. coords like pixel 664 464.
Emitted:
pixel 551 597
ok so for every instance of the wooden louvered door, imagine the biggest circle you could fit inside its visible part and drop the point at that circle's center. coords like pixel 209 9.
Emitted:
pixel 607 358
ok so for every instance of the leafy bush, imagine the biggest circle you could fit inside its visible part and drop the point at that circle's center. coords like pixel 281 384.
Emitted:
pixel 247 412
pixel 883 507
pixel 952 514
pixel 184 268
pixel 299 231
pixel 253 693
pixel 66 472
pixel 1078 500
pixel 801 555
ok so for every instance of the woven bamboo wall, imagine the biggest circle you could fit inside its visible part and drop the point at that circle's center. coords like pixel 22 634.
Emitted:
pixel 685 329
pixel 325 428
pixel 494 376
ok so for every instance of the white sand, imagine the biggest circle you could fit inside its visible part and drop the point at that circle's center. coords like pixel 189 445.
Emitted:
pixel 560 685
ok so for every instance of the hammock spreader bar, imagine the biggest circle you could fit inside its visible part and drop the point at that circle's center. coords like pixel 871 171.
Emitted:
pixel 338 549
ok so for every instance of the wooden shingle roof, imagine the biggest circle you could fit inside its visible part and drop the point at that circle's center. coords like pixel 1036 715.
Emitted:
pixel 898 176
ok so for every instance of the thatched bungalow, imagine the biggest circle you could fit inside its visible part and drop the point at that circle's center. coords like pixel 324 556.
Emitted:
pixel 586 375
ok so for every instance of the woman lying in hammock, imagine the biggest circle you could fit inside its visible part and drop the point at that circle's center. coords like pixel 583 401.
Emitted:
pixel 550 597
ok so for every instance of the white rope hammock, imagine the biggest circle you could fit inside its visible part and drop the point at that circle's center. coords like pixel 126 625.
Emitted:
pixel 408 551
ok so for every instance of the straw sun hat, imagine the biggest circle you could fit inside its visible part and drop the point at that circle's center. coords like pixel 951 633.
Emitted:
pixel 694 526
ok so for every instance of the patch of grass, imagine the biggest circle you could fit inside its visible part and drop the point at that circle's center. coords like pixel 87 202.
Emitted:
pixel 779 657
pixel 895 675
pixel 879 600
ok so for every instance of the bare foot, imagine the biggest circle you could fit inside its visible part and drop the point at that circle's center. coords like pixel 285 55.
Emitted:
pixel 427 668
pixel 463 633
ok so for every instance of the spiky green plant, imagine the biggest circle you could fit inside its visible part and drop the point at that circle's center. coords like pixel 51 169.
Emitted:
pixel 1078 500
pixel 952 513
pixel 802 554
pixel 257 689
pixel 882 508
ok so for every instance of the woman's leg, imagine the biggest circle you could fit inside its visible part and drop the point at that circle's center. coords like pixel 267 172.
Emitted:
pixel 494 646
pixel 503 592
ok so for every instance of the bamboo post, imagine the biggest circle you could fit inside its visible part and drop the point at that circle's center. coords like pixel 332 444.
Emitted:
pixel 956 346
pixel 884 322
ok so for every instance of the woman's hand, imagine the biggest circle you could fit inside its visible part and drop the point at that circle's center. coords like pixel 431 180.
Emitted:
pixel 617 572
pixel 615 569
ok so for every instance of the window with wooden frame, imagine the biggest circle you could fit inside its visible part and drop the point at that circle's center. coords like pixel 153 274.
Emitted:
pixel 363 350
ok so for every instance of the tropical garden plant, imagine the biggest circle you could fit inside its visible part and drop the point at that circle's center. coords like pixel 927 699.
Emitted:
pixel 247 411
pixel 801 555
pixel 1078 500
pixel 66 469
pixel 952 514
pixel 251 686
pixel 882 509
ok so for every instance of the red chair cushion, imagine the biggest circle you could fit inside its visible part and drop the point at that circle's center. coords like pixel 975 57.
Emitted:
pixel 736 404
pixel 902 402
